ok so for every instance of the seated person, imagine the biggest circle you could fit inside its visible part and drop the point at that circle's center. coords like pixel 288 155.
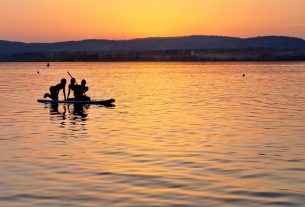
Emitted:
pixel 54 90
pixel 80 92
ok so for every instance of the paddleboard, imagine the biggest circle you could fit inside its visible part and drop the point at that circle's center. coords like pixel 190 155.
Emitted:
pixel 96 102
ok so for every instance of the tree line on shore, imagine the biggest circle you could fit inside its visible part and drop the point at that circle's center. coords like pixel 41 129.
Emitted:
pixel 161 55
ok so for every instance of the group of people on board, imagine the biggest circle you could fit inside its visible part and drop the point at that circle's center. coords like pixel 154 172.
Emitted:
pixel 78 90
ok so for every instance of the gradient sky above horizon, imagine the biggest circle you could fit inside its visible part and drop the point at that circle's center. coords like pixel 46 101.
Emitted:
pixel 61 20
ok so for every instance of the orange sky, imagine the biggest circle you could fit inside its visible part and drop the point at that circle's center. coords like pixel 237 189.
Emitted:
pixel 60 20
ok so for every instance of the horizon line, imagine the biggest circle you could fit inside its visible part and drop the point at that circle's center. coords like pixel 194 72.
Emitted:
pixel 149 37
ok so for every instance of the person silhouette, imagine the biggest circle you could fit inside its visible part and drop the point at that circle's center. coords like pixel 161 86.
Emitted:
pixel 80 92
pixel 54 90
pixel 72 86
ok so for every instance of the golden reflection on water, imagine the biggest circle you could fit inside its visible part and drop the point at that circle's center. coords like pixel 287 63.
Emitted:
pixel 180 134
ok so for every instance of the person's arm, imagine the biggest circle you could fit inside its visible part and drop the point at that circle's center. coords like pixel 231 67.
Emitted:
pixel 68 92
pixel 64 91
pixel 85 89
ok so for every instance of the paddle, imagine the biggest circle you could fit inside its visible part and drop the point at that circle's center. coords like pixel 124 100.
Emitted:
pixel 69 74
pixel 72 77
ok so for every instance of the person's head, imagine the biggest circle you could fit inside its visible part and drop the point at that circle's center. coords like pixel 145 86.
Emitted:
pixel 83 83
pixel 63 81
pixel 72 81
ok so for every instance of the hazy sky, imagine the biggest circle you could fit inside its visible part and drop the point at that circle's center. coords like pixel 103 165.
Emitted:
pixel 60 20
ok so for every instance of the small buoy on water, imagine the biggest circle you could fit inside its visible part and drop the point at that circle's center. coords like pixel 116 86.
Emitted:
pixel 244 75
pixel 48 65
pixel 38 72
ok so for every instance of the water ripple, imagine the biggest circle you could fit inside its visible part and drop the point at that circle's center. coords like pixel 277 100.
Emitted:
pixel 181 134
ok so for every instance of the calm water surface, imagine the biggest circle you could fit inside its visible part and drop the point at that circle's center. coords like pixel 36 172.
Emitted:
pixel 181 134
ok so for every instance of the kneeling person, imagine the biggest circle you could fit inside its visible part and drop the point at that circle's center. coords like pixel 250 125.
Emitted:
pixel 54 90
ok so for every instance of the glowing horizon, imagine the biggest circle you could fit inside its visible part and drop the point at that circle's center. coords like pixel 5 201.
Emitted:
pixel 55 20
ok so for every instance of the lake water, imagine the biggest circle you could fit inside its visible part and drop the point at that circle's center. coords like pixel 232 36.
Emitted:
pixel 181 134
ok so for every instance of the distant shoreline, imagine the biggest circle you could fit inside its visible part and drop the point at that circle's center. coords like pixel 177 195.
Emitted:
pixel 161 56
pixel 156 61
pixel 186 48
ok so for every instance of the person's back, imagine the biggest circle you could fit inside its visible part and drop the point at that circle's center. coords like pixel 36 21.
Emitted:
pixel 77 92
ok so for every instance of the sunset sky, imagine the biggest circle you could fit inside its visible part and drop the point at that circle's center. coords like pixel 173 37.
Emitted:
pixel 61 20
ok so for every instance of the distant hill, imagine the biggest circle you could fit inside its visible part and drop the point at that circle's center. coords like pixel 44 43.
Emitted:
pixel 158 43
pixel 155 45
